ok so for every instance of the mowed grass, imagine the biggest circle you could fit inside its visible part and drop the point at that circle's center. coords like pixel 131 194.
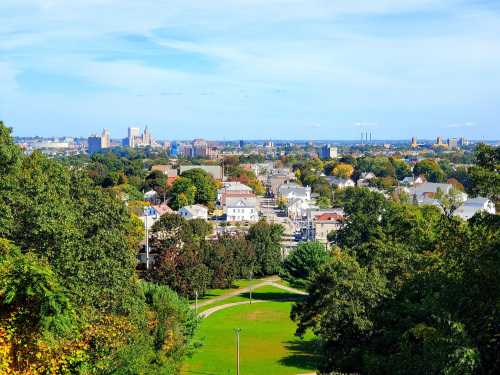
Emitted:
pixel 268 344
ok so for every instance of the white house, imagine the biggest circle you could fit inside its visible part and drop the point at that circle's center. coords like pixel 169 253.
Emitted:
pixel 411 181
pixel 341 183
pixel 474 205
pixel 195 211
pixel 241 208
pixel 296 208
pixel 427 190
pixel 291 191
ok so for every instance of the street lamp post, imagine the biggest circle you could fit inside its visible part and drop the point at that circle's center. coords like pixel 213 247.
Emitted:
pixel 196 301
pixel 251 276
pixel 237 332
pixel 146 229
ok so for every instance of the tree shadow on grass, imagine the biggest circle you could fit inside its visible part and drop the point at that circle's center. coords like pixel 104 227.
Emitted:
pixel 304 354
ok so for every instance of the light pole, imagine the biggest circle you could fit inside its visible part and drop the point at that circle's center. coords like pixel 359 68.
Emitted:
pixel 251 276
pixel 237 332
pixel 146 229
pixel 196 301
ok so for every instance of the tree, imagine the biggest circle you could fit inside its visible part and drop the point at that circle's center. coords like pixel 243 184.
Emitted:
pixel 343 170
pixel 265 239
pixel 303 261
pixel 430 169
pixel 204 183
pixel 182 193
pixel 485 176
pixel 157 181
pixel 324 202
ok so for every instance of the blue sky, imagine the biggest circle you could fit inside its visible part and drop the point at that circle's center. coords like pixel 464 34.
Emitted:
pixel 239 69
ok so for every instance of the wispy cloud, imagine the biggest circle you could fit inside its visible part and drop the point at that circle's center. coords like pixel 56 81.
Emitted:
pixel 405 63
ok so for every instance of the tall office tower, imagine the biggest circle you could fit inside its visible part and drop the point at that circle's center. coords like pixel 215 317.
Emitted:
pixel 200 148
pixel 133 133
pixel 328 152
pixel 439 141
pixel 414 142
pixel 242 144
pixel 463 142
pixel 174 149
pixel 147 138
pixel 105 139
pixel 452 143
pixel 94 144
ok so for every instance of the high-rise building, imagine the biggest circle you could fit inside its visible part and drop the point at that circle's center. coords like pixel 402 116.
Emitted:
pixel 147 139
pixel 174 150
pixel 463 142
pixel 439 141
pixel 414 142
pixel 94 144
pixel 452 143
pixel 105 139
pixel 328 152
pixel 133 134
pixel 200 148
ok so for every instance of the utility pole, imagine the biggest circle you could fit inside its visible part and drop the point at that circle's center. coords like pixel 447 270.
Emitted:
pixel 196 301
pixel 147 237
pixel 251 276
pixel 237 332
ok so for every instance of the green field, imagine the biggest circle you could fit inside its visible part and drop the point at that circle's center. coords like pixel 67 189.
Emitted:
pixel 268 344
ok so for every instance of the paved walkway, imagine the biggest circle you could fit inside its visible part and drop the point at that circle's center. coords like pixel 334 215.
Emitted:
pixel 239 291
pixel 210 311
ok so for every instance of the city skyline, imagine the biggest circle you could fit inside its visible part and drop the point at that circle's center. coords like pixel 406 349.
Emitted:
pixel 249 69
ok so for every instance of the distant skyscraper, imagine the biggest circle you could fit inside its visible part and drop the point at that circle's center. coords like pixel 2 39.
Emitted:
pixel 328 152
pixel 414 142
pixel 147 139
pixel 174 149
pixel 200 148
pixel 452 143
pixel 94 144
pixel 439 141
pixel 242 144
pixel 463 142
pixel 105 139
pixel 133 134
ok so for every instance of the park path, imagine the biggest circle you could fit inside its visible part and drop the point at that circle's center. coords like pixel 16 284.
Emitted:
pixel 269 281
pixel 210 311
pixel 238 291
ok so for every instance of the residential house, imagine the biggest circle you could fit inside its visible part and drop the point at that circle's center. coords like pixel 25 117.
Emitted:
pixel 292 190
pixel 195 211
pixel 339 182
pixel 474 205
pixel 411 181
pixel 241 208
pixel 319 223
pixel 152 214
pixel 168 171
pixel 364 179
pixel 424 193
pixel 232 188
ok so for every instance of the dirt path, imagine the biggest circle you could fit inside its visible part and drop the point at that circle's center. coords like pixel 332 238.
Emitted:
pixel 287 288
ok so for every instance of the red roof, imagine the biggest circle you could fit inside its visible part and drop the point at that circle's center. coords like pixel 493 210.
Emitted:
pixel 163 209
pixel 329 217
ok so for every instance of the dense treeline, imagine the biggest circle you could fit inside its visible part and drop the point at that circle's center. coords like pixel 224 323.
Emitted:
pixel 188 262
pixel 406 290
pixel 70 300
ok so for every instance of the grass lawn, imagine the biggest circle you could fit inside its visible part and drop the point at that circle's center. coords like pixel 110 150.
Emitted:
pixel 268 344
